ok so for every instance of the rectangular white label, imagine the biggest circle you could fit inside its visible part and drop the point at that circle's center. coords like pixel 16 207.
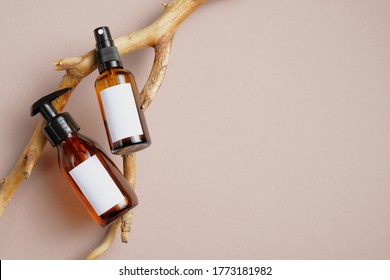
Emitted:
pixel 97 185
pixel 121 112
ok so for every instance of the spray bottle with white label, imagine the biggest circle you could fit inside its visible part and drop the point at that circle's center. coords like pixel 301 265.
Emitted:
pixel 94 178
pixel 118 98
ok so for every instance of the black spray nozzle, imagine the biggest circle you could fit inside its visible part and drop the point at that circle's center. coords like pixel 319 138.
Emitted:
pixel 103 37
pixel 106 53
pixel 59 125
pixel 44 105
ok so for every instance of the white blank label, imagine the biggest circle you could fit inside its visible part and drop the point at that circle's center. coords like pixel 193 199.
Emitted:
pixel 96 185
pixel 121 112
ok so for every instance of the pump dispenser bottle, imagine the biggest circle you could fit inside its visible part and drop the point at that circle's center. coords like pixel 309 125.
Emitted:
pixel 94 178
pixel 118 98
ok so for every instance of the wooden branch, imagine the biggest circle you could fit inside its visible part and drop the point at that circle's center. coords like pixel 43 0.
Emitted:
pixel 108 239
pixel 33 150
pixel 157 74
pixel 129 172
pixel 158 35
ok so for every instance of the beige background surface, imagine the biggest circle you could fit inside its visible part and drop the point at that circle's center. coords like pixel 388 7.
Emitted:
pixel 271 132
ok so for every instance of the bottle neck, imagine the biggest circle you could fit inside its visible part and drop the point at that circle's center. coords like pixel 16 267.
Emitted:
pixel 77 141
pixel 74 150
pixel 77 144
pixel 70 141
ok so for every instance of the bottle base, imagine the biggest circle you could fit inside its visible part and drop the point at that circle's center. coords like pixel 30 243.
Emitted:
pixel 129 148
pixel 108 219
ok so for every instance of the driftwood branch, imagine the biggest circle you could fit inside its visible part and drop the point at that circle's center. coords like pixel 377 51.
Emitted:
pixel 108 239
pixel 129 172
pixel 158 35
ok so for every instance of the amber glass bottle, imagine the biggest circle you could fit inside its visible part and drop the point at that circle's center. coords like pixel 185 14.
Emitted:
pixel 118 98
pixel 106 193
pixel 94 178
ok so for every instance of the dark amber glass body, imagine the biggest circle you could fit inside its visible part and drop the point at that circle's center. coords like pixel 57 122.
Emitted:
pixel 112 77
pixel 77 148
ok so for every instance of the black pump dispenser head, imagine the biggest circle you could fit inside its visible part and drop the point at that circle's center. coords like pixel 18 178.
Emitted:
pixel 59 125
pixel 106 53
